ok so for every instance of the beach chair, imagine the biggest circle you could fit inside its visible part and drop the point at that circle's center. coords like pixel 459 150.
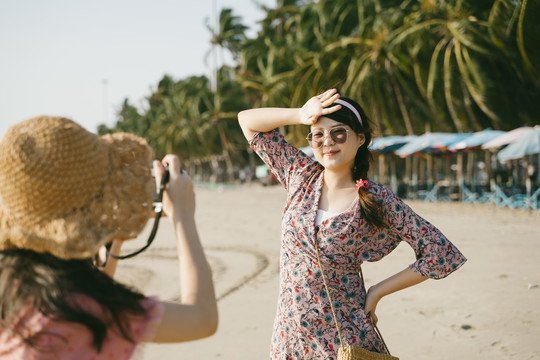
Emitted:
pixel 429 195
pixel 468 196
pixel 487 198
pixel 519 201
pixel 445 193
pixel 501 199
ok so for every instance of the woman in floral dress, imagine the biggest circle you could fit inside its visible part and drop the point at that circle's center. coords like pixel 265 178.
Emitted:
pixel 353 220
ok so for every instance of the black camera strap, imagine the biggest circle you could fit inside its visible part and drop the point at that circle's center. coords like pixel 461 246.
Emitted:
pixel 158 210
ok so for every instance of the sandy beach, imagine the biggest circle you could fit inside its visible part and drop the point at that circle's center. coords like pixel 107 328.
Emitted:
pixel 489 309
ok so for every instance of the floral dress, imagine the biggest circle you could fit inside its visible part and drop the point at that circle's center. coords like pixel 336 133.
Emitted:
pixel 304 326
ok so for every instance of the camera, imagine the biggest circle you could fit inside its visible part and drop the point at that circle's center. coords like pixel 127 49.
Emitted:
pixel 164 180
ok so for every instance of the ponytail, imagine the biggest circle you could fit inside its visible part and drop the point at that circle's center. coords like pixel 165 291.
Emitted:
pixel 370 206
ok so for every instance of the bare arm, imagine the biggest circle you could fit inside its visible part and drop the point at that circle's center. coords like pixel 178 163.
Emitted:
pixel 267 119
pixel 399 281
pixel 196 315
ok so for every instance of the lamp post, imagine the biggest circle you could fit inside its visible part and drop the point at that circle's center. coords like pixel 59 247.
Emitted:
pixel 105 83
pixel 214 23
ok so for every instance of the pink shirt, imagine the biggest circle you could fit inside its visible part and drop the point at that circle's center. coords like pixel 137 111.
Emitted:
pixel 68 340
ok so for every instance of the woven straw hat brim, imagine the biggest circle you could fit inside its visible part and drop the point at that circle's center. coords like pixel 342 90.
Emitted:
pixel 67 192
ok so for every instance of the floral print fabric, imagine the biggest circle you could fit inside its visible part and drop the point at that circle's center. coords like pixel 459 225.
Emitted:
pixel 304 327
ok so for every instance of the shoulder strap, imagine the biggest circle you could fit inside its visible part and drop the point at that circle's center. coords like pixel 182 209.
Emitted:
pixel 332 303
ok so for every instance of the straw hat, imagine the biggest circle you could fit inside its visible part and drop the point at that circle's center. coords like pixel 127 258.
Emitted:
pixel 67 191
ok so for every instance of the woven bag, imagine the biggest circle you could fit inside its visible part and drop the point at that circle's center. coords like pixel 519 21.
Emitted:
pixel 358 353
pixel 352 352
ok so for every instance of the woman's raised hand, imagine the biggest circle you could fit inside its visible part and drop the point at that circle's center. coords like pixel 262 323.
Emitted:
pixel 317 106
pixel 179 197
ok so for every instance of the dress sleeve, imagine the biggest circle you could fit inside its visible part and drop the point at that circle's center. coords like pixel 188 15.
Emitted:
pixel 144 330
pixel 286 162
pixel 436 256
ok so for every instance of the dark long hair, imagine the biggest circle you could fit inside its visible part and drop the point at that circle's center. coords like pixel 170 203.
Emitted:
pixel 369 204
pixel 47 283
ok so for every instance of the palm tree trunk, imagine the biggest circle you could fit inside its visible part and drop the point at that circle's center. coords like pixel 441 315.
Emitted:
pixel 376 114
pixel 399 97
pixel 459 175
pixel 214 166
pixel 487 161
pixel 414 177
pixel 393 178
pixel 429 169
pixel 382 169
pixel 470 168
pixel 229 176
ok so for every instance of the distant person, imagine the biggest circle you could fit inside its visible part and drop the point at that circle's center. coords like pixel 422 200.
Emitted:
pixel 337 217
pixel 242 176
pixel 65 194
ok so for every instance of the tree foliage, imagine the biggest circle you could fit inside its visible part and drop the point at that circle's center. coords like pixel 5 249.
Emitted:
pixel 415 65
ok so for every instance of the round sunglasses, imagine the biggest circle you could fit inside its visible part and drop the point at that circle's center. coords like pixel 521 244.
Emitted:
pixel 338 135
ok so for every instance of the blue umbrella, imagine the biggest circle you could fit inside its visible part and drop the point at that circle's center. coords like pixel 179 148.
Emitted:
pixel 507 138
pixel 451 139
pixel 477 139
pixel 431 142
pixel 390 143
pixel 527 145
pixel 420 143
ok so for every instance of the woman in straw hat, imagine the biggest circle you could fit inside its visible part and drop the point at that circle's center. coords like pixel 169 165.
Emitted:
pixel 335 219
pixel 65 193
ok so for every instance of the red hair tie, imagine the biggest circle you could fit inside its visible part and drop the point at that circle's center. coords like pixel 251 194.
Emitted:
pixel 362 184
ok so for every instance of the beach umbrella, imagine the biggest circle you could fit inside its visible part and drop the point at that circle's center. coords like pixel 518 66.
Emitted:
pixel 477 139
pixel 508 137
pixel 526 145
pixel 421 143
pixel 390 143
pixel 448 141
pixel 472 142
pixel 430 142
pixel 383 146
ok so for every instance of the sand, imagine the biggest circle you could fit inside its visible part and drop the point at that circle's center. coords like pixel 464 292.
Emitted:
pixel 489 309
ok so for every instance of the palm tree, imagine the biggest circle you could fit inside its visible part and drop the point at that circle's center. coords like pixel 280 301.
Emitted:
pixel 415 65
pixel 221 114
pixel 230 33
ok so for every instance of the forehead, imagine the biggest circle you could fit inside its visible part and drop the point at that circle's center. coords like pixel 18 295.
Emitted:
pixel 325 123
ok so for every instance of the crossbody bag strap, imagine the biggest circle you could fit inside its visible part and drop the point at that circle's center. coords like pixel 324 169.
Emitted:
pixel 332 303
pixel 328 291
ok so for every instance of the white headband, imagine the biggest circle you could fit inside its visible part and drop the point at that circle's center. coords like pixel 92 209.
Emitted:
pixel 350 107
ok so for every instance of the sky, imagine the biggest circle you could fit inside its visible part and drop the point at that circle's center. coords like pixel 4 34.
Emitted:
pixel 81 59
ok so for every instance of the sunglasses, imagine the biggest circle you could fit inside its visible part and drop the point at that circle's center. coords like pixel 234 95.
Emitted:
pixel 338 135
